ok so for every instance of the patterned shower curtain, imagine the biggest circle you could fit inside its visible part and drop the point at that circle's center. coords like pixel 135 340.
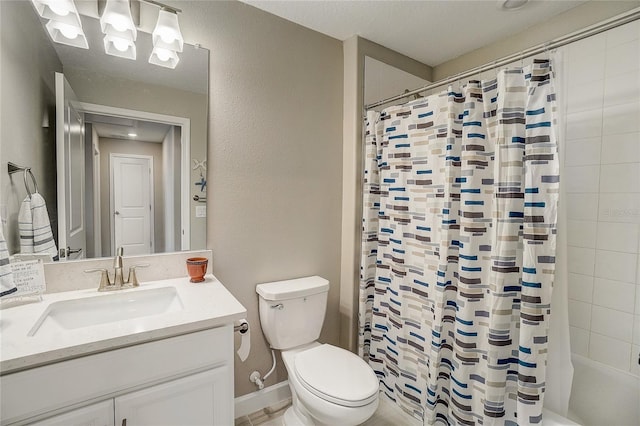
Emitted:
pixel 458 249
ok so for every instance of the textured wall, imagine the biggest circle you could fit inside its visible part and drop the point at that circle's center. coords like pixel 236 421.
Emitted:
pixel 275 158
pixel 27 120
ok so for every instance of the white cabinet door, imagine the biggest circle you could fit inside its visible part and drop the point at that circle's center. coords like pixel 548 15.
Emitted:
pixel 100 414
pixel 202 399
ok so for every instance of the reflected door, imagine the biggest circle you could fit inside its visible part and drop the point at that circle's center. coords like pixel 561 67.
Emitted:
pixel 72 238
pixel 132 203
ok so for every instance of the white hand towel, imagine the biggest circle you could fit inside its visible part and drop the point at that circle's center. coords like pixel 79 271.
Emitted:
pixel 25 226
pixel 6 276
pixel 34 226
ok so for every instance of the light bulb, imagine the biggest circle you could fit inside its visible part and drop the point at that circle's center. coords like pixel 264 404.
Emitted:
pixel 59 8
pixel 119 23
pixel 68 31
pixel 163 54
pixel 167 35
pixel 121 44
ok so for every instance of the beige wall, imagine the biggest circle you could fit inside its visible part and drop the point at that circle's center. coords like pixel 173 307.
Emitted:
pixel 275 159
pixel 355 51
pixel 27 112
pixel 110 146
pixel 96 88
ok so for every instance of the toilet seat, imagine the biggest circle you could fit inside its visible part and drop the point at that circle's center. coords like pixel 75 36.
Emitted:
pixel 336 375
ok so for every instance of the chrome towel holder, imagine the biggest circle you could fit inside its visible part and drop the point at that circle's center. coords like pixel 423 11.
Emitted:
pixel 14 168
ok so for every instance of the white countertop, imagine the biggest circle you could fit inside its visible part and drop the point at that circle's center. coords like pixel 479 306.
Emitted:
pixel 204 305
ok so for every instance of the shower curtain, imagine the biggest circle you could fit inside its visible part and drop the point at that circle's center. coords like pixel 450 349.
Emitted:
pixel 458 250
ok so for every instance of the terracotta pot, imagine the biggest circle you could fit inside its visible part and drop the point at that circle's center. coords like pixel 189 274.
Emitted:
pixel 197 267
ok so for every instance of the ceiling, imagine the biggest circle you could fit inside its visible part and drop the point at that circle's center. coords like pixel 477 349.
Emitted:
pixel 430 31
pixel 120 128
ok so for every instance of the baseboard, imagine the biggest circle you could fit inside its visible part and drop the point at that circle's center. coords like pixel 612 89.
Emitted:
pixel 255 401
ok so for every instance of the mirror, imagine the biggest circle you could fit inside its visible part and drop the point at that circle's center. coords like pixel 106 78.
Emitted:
pixel 116 98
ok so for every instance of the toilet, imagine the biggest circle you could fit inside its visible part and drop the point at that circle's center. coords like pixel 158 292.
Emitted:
pixel 329 385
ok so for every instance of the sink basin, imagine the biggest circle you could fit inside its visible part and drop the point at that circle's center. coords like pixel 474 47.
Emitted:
pixel 107 308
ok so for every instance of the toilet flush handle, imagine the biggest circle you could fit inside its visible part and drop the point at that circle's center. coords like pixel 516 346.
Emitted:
pixel 279 306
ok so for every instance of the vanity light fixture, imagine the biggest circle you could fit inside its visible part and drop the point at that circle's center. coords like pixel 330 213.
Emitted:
pixel 167 33
pixel 119 30
pixel 121 47
pixel 67 34
pixel 167 38
pixel 58 10
pixel 164 57
pixel 64 24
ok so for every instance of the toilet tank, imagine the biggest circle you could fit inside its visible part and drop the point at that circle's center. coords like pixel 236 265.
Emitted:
pixel 292 311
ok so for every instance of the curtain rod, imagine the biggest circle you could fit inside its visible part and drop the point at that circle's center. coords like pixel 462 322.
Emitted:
pixel 608 24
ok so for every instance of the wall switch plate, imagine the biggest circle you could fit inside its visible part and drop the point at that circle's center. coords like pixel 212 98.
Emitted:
pixel 201 211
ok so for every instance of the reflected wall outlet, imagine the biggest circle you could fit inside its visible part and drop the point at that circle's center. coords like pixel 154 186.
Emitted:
pixel 201 211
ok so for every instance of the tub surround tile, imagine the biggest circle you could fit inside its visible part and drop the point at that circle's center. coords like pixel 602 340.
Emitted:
pixel 583 152
pixel 581 260
pixel 611 323
pixel 618 237
pixel 579 338
pixel 585 68
pixel 579 99
pixel 614 295
pixel 621 148
pixel 581 287
pixel 634 364
pixel 582 206
pixel 581 179
pixel 616 119
pixel 615 266
pixel 622 89
pixel 618 178
pixel 623 34
pixel 584 124
pixel 580 314
pixel 607 350
pixel 581 233
pixel 636 330
pixel 622 58
pixel 619 208
pixel 604 298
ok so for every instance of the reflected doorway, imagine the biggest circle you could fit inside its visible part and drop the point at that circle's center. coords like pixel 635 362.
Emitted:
pixel 111 135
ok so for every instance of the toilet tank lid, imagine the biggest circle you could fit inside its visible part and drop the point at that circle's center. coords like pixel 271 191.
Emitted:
pixel 291 289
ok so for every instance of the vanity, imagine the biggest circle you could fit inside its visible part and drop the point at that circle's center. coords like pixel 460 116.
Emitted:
pixel 161 353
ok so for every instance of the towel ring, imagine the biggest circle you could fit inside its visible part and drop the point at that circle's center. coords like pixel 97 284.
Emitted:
pixel 33 181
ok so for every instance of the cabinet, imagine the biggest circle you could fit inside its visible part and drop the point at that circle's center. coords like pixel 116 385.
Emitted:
pixel 100 414
pixel 182 380
pixel 193 400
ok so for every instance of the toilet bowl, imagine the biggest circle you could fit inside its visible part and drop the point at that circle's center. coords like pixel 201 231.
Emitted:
pixel 329 385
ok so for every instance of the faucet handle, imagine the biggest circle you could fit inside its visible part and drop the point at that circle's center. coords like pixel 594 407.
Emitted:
pixel 104 278
pixel 133 279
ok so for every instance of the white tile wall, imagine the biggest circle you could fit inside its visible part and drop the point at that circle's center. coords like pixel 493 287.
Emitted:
pixel 602 179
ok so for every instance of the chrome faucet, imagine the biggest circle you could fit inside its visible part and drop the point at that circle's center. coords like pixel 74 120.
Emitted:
pixel 118 282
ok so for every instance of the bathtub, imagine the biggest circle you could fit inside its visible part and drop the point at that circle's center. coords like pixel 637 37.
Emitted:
pixel 602 395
